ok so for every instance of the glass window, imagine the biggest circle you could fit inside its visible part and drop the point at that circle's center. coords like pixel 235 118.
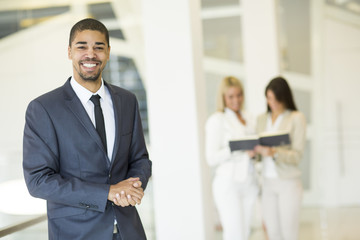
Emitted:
pixel 217 3
pixel 303 101
pixel 305 166
pixel 223 39
pixel 212 85
pixel 104 11
pixel 294 36
pixel 16 20
pixel 122 72
pixel 352 6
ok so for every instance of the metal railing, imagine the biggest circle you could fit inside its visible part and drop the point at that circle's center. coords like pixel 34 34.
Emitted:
pixel 22 225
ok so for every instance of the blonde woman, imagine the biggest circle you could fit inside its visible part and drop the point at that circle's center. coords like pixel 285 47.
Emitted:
pixel 234 186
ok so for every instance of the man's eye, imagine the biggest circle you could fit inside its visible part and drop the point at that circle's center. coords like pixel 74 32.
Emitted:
pixel 99 48
pixel 81 47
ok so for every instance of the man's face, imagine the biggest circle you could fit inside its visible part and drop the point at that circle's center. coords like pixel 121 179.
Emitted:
pixel 89 53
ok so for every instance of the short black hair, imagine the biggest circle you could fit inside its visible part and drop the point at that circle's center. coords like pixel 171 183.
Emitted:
pixel 282 92
pixel 88 24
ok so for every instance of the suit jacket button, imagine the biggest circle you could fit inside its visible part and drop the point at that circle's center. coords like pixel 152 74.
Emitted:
pixel 109 175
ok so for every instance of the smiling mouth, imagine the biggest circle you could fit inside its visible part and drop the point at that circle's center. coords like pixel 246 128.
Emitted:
pixel 89 65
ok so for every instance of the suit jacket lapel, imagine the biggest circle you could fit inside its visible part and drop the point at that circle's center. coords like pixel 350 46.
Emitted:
pixel 76 107
pixel 285 120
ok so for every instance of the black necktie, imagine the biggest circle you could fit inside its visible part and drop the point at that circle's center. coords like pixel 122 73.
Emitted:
pixel 99 119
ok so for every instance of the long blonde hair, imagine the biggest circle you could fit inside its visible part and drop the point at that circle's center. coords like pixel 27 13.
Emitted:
pixel 225 84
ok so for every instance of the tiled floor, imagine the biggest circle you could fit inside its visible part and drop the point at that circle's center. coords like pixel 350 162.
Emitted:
pixel 315 224
pixel 325 224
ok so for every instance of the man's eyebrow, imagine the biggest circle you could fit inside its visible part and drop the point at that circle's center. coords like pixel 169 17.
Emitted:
pixel 80 43
pixel 83 42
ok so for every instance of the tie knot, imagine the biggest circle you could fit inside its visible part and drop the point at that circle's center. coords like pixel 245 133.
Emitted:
pixel 95 99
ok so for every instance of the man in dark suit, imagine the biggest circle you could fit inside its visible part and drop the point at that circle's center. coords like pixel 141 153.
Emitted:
pixel 84 149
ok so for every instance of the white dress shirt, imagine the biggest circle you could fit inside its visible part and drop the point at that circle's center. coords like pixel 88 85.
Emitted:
pixel 269 164
pixel 107 108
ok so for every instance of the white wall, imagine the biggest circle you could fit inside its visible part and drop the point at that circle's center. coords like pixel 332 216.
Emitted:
pixel 341 129
pixel 29 68
pixel 176 105
pixel 261 58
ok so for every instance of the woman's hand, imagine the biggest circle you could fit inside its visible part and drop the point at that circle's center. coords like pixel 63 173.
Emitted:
pixel 265 151
pixel 251 153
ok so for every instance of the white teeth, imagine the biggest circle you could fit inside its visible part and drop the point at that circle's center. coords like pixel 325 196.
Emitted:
pixel 89 65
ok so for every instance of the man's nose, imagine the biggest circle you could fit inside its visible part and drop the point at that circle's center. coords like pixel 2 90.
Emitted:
pixel 91 53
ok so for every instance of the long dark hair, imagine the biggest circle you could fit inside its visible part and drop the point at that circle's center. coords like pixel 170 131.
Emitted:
pixel 282 92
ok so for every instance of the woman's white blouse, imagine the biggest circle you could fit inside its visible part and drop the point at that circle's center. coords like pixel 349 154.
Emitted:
pixel 221 127
pixel 269 166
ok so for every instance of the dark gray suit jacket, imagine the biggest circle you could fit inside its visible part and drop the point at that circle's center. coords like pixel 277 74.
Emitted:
pixel 65 163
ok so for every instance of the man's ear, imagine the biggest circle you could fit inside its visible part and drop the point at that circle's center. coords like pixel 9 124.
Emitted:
pixel 69 52
pixel 109 53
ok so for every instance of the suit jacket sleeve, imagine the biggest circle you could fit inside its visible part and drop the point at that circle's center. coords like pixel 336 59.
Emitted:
pixel 41 164
pixel 139 163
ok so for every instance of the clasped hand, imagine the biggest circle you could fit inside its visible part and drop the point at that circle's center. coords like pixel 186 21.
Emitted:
pixel 127 192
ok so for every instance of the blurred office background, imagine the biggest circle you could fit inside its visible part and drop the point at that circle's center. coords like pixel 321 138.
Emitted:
pixel 172 55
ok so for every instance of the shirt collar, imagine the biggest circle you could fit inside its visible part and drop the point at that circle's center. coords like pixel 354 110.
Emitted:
pixel 276 124
pixel 287 111
pixel 83 94
pixel 230 112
